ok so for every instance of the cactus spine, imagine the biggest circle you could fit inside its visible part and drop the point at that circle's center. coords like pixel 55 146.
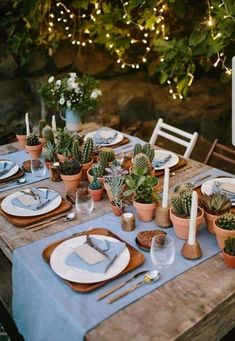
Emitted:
pixel 109 152
pixel 76 152
pixel 97 170
pixel 146 149
pixel 42 124
pixel 142 161
pixel 181 200
pixel 87 150
pixel 226 221
pixel 47 134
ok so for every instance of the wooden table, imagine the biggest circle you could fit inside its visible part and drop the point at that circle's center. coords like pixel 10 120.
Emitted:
pixel 197 305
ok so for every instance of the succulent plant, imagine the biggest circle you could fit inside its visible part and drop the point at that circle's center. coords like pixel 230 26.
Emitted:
pixel 229 246
pixel 95 184
pixel 20 129
pixel 87 150
pixel 76 151
pixel 70 167
pixel 226 221
pixel 49 152
pixel 32 140
pixel 181 201
pixel 97 170
pixel 215 203
pixel 48 135
pixel 65 142
pixel 115 170
pixel 145 149
pixel 42 124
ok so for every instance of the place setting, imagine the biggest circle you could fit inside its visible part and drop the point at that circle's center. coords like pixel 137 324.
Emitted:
pixel 9 172
pixel 108 138
pixel 166 159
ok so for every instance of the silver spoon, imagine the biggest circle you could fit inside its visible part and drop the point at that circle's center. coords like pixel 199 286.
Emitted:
pixel 70 216
pixel 42 224
pixel 149 278
pixel 20 181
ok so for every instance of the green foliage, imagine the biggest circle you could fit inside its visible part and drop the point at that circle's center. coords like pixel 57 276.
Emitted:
pixel 64 142
pixel 142 161
pixel 226 221
pixel 97 170
pixel 76 152
pixel 215 203
pixel 181 201
pixel 145 149
pixel 49 152
pixel 95 184
pixel 42 124
pixel 106 155
pixel 141 186
pixel 70 167
pixel 48 135
pixel 32 140
pixel 87 150
pixel 229 247
pixel 20 129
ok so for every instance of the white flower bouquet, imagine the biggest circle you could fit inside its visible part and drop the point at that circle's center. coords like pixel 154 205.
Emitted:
pixel 71 92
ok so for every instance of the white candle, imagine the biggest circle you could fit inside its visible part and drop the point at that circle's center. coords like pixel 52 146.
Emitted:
pixel 192 221
pixel 27 124
pixel 165 188
pixel 53 123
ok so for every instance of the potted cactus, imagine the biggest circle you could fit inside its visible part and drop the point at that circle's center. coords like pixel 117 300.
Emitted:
pixel 96 189
pixel 64 146
pixel 229 252
pixel 224 227
pixel 145 149
pixel 180 209
pixel 141 187
pixel 113 171
pixel 33 146
pixel 106 156
pixel 214 205
pixel 42 124
pixel 49 154
pixel 48 135
pixel 86 157
pixel 141 160
pixel 20 130
pixel 70 172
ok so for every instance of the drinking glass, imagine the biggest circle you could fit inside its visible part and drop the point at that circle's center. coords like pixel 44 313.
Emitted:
pixel 38 167
pixel 162 251
pixel 84 201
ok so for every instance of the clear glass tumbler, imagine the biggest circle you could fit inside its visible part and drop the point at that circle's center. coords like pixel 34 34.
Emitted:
pixel 84 201
pixel 38 167
pixel 162 251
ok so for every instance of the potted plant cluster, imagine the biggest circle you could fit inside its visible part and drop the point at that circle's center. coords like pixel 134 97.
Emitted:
pixel 214 205
pixel 33 146
pixel 224 227
pixel 181 201
pixel 141 187
pixel 96 189
pixel 143 157
pixel 83 154
pixel 70 172
pixel 106 156
pixel 74 95
pixel 64 146
pixel 229 252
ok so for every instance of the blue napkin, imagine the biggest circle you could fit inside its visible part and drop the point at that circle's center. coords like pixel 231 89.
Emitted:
pixel 111 249
pixel 43 198
pixel 216 188
pixel 101 139
pixel 161 160
pixel 5 167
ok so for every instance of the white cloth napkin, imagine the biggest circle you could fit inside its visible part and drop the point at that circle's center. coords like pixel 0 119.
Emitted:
pixel 5 167
pixel 160 159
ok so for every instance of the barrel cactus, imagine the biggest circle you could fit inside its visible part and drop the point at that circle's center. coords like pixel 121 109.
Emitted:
pixel 145 149
pixel 97 170
pixel 87 150
pixel 42 124
pixel 110 155
pixel 142 161
pixel 226 221
pixel 181 201
pixel 48 135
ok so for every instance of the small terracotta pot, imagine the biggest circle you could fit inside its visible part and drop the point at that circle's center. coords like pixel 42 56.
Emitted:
pixel 229 260
pixel 85 167
pixel 222 234
pixel 62 158
pixel 209 218
pixel 181 225
pixel 71 181
pixel 22 140
pixel 91 177
pixel 34 151
pixel 96 193
pixel 116 210
pixel 145 212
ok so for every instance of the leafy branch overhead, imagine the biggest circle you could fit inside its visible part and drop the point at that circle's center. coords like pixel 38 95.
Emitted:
pixel 173 39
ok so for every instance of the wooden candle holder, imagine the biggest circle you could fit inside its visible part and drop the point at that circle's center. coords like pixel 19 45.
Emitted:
pixel 163 217
pixel 191 251
pixel 128 221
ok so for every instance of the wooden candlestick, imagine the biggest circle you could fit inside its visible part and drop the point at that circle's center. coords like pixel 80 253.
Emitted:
pixel 163 217
pixel 128 221
pixel 191 251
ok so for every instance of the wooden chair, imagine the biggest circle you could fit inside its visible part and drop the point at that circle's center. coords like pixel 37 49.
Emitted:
pixel 192 138
pixel 218 150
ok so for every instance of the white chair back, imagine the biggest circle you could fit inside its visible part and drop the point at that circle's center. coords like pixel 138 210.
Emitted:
pixel 188 142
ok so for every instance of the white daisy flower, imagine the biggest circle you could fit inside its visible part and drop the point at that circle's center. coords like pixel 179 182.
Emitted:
pixel 73 74
pixel 51 79
pixel 58 83
pixel 62 101
pixel 95 93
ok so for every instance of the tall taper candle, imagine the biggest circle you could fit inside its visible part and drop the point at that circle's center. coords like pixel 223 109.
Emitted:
pixel 192 221
pixel 165 188
pixel 53 123
pixel 27 124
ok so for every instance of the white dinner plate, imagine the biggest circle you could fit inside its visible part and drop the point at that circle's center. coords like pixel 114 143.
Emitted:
pixel 174 159
pixel 105 133
pixel 9 208
pixel 11 172
pixel 207 186
pixel 74 274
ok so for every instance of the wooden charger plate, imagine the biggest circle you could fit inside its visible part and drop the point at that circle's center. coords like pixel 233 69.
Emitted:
pixel 180 164
pixel 125 140
pixel 26 221
pixel 136 259
pixel 15 176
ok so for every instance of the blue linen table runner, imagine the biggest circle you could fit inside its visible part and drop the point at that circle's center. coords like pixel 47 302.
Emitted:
pixel 45 308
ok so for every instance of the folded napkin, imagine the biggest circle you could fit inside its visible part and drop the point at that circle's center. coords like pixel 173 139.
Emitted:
pixel 41 198
pixel 111 250
pixel 160 159
pixel 5 167
pixel 223 187
pixel 104 137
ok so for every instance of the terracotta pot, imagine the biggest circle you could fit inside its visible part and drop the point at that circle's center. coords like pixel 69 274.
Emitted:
pixel 85 167
pixel 91 177
pixel 181 225
pixel 22 140
pixel 34 151
pixel 96 193
pixel 109 193
pixel 62 158
pixel 222 234
pixel 71 181
pixel 145 212
pixel 116 210
pixel 229 260
pixel 209 218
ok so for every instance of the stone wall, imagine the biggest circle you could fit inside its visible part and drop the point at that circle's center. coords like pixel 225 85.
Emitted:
pixel 131 100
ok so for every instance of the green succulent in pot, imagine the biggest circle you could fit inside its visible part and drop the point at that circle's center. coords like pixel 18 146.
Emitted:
pixel 64 142
pixel 70 167
pixel 20 129
pixel 49 152
pixel 215 203
pixel 229 252
pixel 226 221
pixel 32 140
pixel 95 184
